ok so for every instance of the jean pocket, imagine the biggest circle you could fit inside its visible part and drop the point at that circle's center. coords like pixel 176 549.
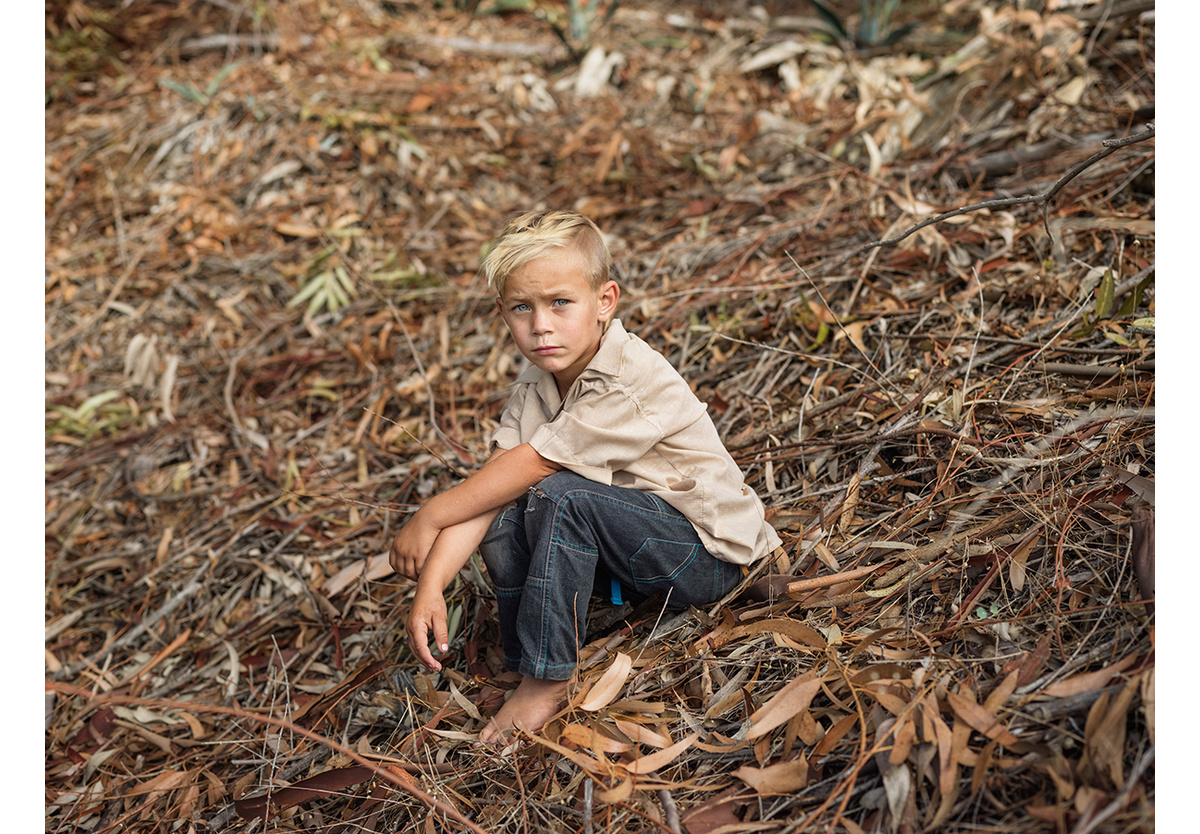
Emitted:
pixel 660 561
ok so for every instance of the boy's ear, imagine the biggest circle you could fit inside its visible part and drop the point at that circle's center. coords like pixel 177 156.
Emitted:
pixel 608 296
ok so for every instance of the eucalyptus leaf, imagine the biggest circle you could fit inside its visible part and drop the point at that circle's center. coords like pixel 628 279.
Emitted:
pixel 1105 295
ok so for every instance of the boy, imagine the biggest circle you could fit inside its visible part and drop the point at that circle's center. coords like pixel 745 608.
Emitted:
pixel 606 471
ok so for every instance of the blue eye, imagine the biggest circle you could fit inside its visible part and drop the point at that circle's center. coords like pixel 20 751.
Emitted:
pixel 559 302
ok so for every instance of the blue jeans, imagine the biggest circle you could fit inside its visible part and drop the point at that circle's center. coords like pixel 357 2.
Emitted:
pixel 568 534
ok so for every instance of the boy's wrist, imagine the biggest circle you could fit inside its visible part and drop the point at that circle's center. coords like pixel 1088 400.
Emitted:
pixel 434 578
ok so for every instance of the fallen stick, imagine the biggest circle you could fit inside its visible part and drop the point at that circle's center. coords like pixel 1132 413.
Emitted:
pixel 378 769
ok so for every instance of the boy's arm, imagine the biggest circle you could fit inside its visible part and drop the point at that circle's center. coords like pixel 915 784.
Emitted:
pixel 505 477
pixel 450 552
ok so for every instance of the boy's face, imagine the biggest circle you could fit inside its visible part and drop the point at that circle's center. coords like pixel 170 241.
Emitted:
pixel 555 316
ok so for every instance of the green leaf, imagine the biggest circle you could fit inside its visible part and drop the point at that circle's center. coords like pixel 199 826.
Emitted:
pixel 215 84
pixel 830 17
pixel 822 334
pixel 501 6
pixel 344 279
pixel 330 289
pixel 1105 295
pixel 186 90
pixel 93 403
pixel 1146 323
pixel 306 292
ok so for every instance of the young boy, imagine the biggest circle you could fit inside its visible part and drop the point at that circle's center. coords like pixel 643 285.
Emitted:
pixel 606 472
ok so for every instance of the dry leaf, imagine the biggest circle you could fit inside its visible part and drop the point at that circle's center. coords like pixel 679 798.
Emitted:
pixel 791 699
pixel 979 718
pixel 1089 681
pixel 605 690
pixel 777 779
pixel 597 742
pixel 641 734
pixel 660 758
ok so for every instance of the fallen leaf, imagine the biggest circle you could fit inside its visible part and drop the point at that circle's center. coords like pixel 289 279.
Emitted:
pixel 796 630
pixel 641 734
pixel 589 738
pixel 777 779
pixel 980 719
pixel 326 783
pixel 791 699
pixel 297 229
pixel 370 569
pixel 605 690
pixel 659 758
pixel 1089 681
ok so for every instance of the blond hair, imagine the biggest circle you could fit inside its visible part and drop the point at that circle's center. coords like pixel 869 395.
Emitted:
pixel 539 233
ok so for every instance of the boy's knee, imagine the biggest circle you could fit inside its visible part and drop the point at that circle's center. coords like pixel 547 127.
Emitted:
pixel 559 482
pixel 507 529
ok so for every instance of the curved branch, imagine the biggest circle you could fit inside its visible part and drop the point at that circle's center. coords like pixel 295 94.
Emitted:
pixel 1111 146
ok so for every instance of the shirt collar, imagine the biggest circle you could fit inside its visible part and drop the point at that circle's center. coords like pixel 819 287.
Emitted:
pixel 608 358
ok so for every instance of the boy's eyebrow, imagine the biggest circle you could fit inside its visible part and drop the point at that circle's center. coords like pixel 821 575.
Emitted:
pixel 559 291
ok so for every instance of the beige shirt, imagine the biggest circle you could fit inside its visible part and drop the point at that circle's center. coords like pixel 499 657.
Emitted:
pixel 630 420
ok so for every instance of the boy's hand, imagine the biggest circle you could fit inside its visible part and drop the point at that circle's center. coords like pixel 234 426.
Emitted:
pixel 428 614
pixel 411 547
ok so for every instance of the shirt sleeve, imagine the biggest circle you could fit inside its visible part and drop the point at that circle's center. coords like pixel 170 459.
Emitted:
pixel 601 432
pixel 508 434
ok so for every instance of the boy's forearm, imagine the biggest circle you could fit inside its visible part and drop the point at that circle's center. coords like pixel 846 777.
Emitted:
pixel 453 548
pixel 504 478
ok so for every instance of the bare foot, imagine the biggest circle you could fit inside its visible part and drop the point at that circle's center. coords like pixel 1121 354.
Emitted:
pixel 532 704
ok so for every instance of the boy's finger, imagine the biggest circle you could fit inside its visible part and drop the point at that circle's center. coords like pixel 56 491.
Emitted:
pixel 419 643
pixel 440 635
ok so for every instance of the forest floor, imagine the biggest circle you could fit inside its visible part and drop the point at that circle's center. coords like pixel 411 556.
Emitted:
pixel 266 343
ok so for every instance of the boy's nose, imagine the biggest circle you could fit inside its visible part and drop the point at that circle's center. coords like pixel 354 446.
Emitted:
pixel 541 321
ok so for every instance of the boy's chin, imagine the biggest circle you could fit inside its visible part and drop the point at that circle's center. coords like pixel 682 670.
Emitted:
pixel 549 364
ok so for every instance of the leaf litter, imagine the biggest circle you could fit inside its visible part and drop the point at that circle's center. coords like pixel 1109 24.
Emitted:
pixel 266 345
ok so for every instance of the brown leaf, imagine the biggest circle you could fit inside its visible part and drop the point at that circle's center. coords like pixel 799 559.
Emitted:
pixel 621 792
pixel 369 569
pixel 1089 681
pixel 587 763
pixel 980 719
pixel 304 230
pixel 802 633
pixel 605 690
pixel 836 733
pixel 1030 664
pixel 315 711
pixel 785 703
pixel 589 738
pixel 1104 735
pixel 1018 557
pixel 999 696
pixel 777 779
pixel 1143 553
pixel 905 733
pixel 326 783
pixel 881 672
pixel 721 813
pixel 947 761
pixel 660 758
pixel 640 734
pixel 850 505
